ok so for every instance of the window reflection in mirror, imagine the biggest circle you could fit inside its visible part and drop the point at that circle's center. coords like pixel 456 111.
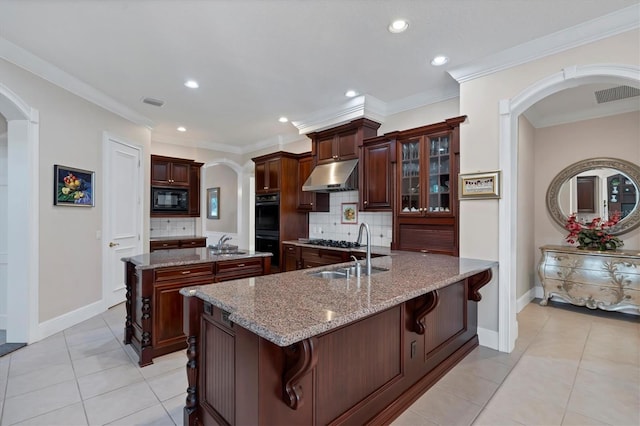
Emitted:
pixel 598 193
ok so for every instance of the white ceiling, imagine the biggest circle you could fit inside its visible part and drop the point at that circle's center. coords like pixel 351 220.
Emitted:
pixel 257 60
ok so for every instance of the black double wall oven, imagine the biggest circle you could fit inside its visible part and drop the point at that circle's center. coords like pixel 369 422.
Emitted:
pixel 268 226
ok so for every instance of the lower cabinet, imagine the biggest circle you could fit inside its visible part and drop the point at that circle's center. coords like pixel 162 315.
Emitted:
pixel 194 242
pixel 312 257
pixel 154 321
pixel 291 257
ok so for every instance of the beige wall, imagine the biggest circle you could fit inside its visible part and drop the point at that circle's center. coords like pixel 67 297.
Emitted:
pixel 479 100
pixel 71 131
pixel 226 179
pixel 616 136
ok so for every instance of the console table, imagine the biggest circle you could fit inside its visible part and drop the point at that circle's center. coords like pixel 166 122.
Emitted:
pixel 608 280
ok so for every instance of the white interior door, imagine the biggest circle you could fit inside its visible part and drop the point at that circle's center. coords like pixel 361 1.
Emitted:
pixel 122 214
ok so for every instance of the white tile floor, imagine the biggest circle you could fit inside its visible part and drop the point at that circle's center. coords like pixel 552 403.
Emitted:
pixel 568 368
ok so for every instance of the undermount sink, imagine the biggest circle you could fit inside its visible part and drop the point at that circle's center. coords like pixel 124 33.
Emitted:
pixel 342 272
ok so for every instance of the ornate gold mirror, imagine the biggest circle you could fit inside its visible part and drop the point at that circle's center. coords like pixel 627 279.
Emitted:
pixel 596 188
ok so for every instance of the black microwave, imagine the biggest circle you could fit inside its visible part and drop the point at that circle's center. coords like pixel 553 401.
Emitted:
pixel 169 200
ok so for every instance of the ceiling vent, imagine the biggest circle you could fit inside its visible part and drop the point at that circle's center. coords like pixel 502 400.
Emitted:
pixel 616 94
pixel 154 102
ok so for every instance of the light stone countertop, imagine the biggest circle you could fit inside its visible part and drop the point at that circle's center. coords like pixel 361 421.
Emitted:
pixel 292 306
pixel 186 256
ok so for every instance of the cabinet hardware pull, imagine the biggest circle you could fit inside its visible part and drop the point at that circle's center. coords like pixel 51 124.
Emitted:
pixel 310 204
pixel 164 245
pixel 185 272
pixel 366 202
pixel 424 251
pixel 240 265
pixel 266 187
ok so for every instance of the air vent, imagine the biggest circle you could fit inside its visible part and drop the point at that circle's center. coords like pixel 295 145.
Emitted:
pixel 154 102
pixel 616 94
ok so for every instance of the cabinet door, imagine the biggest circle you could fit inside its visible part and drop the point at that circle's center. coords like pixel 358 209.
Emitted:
pixel 167 315
pixel 273 173
pixel 325 151
pixel 163 245
pixel 261 177
pixel 160 172
pixel 291 257
pixel 347 145
pixel 410 177
pixel 180 174
pixel 440 181
pixel 375 193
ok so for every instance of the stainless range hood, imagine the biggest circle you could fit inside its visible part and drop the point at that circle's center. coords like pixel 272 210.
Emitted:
pixel 331 177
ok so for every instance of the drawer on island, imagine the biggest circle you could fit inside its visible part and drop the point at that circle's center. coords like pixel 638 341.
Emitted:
pixel 239 268
pixel 199 270
pixel 163 245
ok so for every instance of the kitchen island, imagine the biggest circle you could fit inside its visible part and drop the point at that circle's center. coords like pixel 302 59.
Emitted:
pixel 294 348
pixel 153 324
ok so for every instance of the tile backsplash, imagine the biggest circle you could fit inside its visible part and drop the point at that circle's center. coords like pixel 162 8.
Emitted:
pixel 328 225
pixel 172 227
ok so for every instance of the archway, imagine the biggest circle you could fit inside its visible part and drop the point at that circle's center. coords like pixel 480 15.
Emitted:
pixel 22 217
pixel 510 110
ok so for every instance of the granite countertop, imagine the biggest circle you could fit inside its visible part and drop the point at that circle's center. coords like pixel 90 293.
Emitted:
pixel 186 256
pixel 379 250
pixel 292 306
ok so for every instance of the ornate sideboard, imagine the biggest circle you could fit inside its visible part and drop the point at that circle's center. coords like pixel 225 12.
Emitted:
pixel 608 280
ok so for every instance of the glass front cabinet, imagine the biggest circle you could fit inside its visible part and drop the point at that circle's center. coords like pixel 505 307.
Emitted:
pixel 426 202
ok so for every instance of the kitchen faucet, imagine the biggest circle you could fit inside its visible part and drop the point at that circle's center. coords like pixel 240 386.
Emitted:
pixel 368 260
pixel 222 240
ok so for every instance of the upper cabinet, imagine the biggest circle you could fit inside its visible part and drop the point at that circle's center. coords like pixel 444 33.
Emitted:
pixel 309 200
pixel 342 142
pixel 267 174
pixel 168 171
pixel 376 174
pixel 426 210
pixel 177 172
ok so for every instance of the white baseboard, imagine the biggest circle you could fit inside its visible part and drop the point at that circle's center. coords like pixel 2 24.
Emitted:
pixel 525 299
pixel 488 338
pixel 3 322
pixel 56 325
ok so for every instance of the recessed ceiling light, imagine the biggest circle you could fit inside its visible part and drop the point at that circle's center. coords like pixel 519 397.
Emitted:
pixel 350 93
pixel 191 84
pixel 181 129
pixel 283 119
pixel 439 60
pixel 398 26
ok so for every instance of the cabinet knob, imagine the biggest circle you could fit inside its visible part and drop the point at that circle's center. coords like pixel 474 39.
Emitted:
pixel 335 156
pixel 310 204
pixel 265 187
pixel 366 202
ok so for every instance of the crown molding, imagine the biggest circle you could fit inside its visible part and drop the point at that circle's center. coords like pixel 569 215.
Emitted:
pixel 35 65
pixel 358 107
pixel 421 99
pixel 614 23
pixel 213 146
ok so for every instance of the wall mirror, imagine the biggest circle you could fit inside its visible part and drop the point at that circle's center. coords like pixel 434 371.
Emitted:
pixel 597 187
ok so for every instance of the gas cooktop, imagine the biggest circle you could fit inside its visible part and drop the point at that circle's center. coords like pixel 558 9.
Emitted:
pixel 334 243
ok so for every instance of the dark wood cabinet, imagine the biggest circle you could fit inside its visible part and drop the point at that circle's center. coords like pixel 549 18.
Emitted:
pixel 291 257
pixel 177 243
pixel 177 172
pixel 268 175
pixel 378 156
pixel 309 200
pixel 342 142
pixel 169 171
pixel 426 210
pixel 154 323
pixel 310 257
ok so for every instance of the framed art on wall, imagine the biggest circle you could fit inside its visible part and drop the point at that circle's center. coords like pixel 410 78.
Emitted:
pixel 213 203
pixel 479 185
pixel 349 213
pixel 73 187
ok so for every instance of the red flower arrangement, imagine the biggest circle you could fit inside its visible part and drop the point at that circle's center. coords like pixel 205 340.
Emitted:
pixel 593 235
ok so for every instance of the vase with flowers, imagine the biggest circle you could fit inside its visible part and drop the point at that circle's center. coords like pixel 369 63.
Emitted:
pixel 594 235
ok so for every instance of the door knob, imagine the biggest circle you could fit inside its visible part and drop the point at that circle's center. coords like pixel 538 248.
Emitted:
pixel 112 244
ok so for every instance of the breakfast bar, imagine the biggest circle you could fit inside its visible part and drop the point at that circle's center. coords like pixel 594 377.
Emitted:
pixel 301 348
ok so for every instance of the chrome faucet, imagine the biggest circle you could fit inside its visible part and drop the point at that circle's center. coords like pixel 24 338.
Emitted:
pixel 222 240
pixel 367 265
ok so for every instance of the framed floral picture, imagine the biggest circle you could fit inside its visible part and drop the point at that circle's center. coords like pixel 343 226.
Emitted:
pixel 72 187
pixel 349 213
